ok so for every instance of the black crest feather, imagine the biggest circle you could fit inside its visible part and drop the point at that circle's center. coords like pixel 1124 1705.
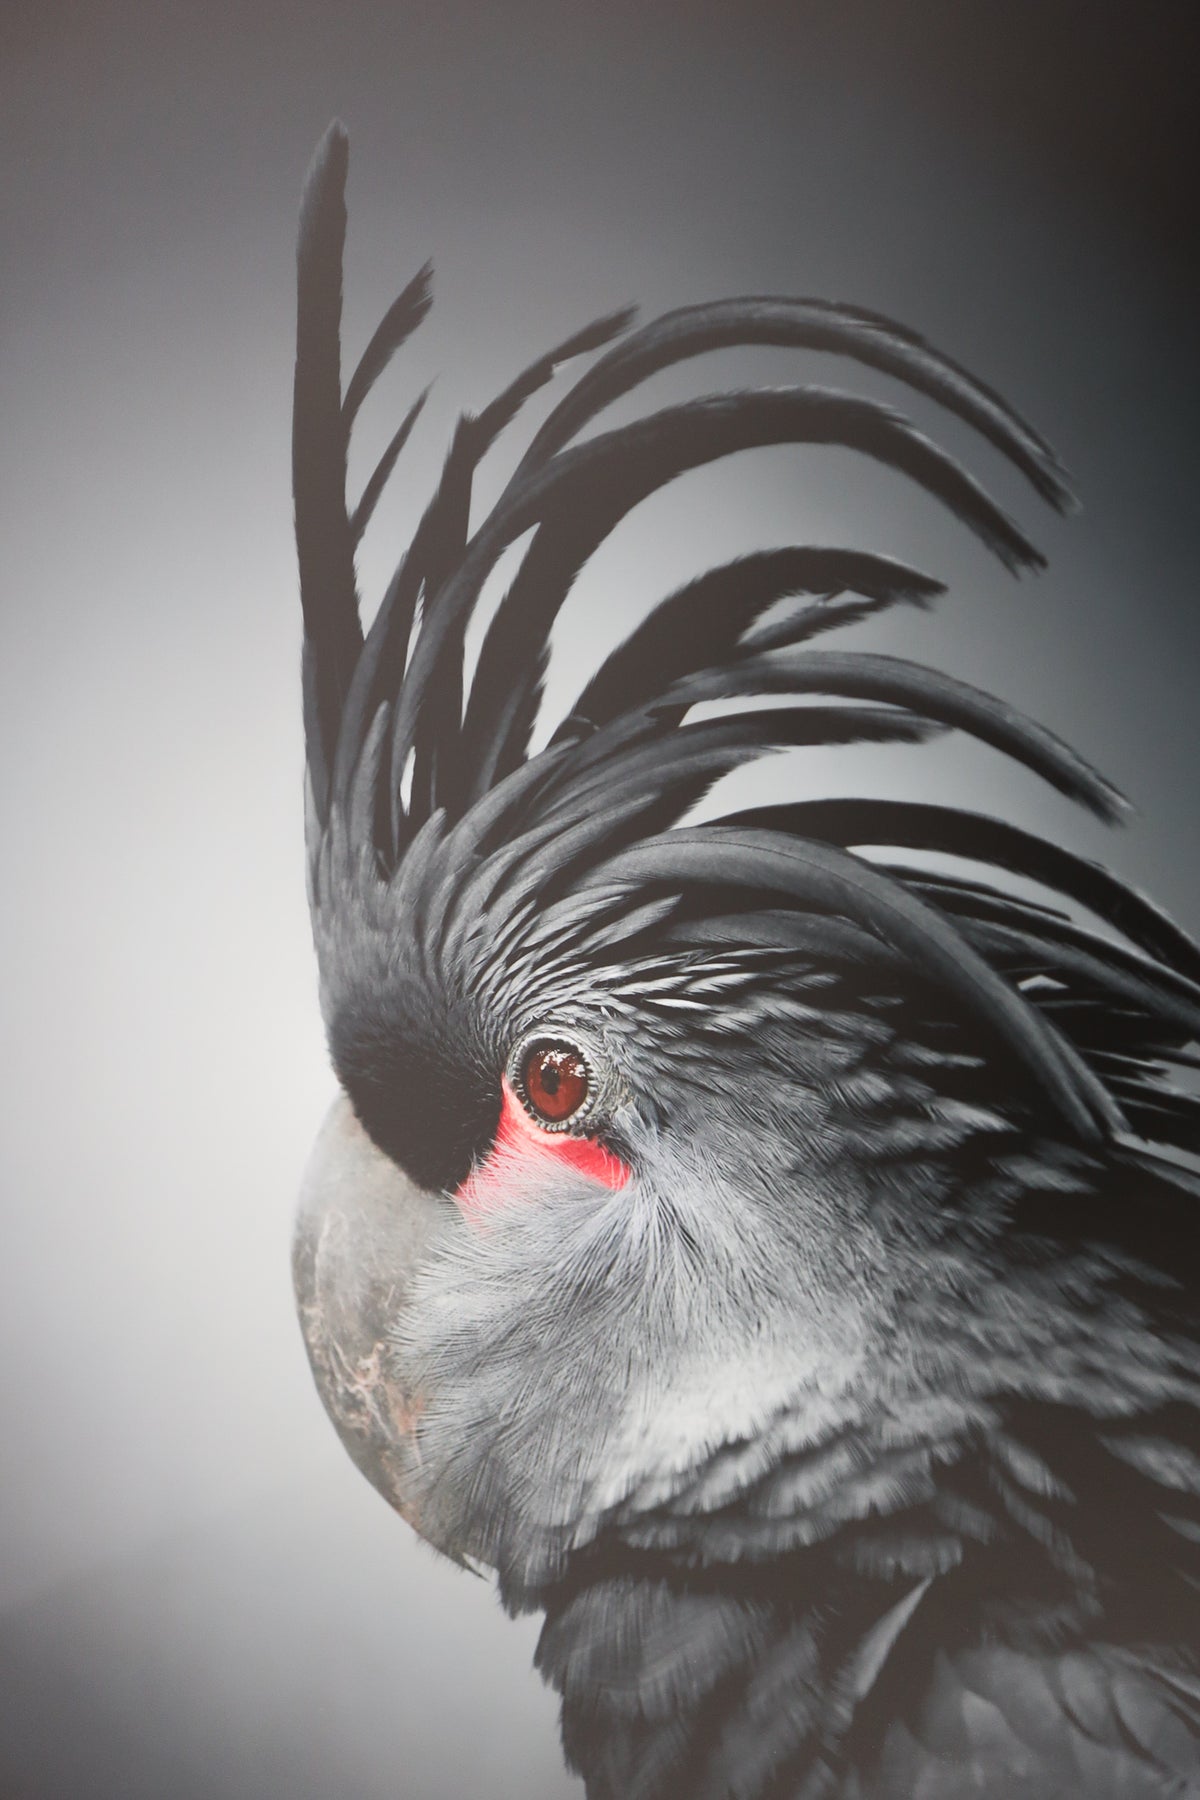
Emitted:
pixel 430 793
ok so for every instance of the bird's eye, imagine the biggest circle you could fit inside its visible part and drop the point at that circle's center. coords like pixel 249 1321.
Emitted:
pixel 554 1082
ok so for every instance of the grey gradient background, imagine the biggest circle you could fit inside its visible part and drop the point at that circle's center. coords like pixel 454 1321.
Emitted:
pixel 198 1594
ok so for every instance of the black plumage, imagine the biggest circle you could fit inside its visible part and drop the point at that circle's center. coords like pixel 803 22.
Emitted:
pixel 829 1378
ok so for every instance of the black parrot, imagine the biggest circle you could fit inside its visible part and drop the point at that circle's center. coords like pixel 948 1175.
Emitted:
pixel 775 1263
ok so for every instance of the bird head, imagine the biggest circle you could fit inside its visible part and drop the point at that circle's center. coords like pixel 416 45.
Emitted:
pixel 653 1132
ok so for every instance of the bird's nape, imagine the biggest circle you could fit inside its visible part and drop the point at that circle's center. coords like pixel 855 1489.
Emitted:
pixel 814 1335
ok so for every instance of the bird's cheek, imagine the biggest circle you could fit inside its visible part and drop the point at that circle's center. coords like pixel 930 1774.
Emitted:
pixel 524 1159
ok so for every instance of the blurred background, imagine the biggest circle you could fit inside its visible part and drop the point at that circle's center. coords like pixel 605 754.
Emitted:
pixel 199 1596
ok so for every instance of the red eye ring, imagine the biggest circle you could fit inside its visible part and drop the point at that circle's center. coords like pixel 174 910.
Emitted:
pixel 553 1081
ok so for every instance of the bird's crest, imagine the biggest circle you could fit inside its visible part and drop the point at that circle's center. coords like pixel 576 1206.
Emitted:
pixel 428 794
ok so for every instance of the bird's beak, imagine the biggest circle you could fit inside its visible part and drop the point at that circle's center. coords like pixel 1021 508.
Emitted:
pixel 361 1231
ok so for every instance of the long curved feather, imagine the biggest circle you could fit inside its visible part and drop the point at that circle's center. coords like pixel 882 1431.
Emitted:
pixel 912 825
pixel 807 324
pixel 324 544
pixel 394 329
pixel 586 490
pixel 701 622
pixel 813 874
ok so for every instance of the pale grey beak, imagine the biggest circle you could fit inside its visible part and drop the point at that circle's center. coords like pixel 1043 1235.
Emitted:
pixel 361 1231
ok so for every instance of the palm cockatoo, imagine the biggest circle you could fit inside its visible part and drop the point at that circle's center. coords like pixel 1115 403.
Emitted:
pixel 774 1262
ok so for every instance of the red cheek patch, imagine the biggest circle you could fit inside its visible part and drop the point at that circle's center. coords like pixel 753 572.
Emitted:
pixel 521 1146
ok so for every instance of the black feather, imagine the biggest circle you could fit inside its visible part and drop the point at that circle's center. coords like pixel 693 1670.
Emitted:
pixel 651 757
pixel 585 491
pixel 324 542
pixel 443 546
pixel 369 499
pixel 911 825
pixel 867 337
pixel 700 624
pixel 923 691
pixel 394 329
pixel 436 744
pixel 813 875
